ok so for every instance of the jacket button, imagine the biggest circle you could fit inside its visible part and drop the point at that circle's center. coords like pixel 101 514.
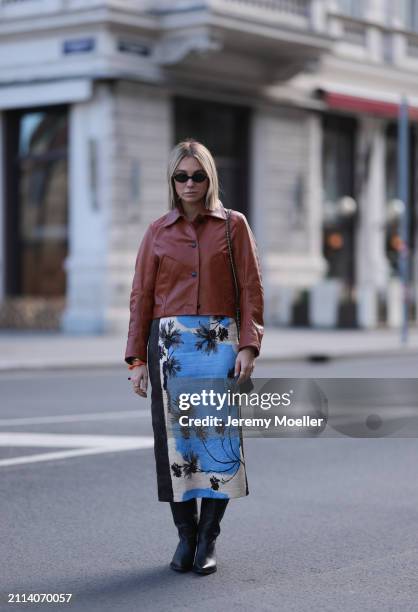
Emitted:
pixel 194 244
pixel 194 273
pixel 198 306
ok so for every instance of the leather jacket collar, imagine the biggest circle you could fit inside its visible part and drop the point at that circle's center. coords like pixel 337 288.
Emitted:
pixel 177 212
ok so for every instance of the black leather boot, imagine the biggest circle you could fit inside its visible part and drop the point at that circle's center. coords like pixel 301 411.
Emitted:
pixel 211 513
pixel 185 518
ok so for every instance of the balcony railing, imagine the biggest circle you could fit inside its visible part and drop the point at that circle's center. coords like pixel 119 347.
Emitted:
pixel 300 14
pixel 292 8
pixel 66 5
pixel 22 8
pixel 299 8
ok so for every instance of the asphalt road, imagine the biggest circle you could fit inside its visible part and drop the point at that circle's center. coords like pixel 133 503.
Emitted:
pixel 330 522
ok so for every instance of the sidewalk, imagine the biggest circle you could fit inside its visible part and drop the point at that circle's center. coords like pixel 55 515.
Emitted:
pixel 33 350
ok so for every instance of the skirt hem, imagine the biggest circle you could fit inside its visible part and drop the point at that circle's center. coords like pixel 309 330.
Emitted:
pixel 206 496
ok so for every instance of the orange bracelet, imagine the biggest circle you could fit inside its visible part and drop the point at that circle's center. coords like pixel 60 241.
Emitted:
pixel 138 362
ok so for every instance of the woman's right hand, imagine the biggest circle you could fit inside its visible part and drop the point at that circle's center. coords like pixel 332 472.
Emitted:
pixel 139 378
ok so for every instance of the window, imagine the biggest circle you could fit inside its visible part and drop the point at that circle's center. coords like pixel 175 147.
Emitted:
pixel 338 182
pixel 353 8
pixel 224 130
pixel 411 15
pixel 36 215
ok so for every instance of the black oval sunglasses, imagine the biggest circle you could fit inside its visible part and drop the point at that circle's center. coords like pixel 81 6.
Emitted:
pixel 197 177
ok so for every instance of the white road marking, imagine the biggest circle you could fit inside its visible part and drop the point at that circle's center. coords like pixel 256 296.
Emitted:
pixel 70 418
pixel 90 445
pixel 68 440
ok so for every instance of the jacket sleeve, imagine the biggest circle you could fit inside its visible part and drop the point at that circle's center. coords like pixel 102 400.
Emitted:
pixel 142 298
pixel 248 270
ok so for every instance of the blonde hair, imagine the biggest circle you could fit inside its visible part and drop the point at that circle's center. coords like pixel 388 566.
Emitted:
pixel 193 148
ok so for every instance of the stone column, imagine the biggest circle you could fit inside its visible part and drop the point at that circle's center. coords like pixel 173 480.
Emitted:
pixel 371 262
pixel 314 193
pixel 414 255
pixel 89 202
pixel 286 204
pixel 323 299
pixel 2 213
pixel 318 15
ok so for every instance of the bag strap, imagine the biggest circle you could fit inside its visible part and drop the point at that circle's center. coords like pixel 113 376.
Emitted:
pixel 234 274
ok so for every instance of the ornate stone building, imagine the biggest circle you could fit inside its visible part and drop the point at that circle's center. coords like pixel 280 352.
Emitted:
pixel 297 99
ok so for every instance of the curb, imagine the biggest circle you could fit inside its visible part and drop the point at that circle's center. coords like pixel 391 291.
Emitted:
pixel 313 357
pixel 324 356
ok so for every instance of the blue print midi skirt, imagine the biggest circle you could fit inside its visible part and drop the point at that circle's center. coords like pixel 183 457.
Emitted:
pixel 185 352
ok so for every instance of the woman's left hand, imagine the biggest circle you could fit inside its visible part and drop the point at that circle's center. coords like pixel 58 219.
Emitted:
pixel 244 364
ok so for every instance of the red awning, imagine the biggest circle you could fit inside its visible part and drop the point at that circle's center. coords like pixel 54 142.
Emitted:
pixel 366 106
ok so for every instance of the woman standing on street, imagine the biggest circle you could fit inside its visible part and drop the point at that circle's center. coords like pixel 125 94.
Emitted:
pixel 196 314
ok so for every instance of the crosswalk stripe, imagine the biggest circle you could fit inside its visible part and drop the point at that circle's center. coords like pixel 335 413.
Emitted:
pixel 79 445
pixel 70 418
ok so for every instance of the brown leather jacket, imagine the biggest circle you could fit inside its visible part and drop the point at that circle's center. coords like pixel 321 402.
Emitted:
pixel 183 267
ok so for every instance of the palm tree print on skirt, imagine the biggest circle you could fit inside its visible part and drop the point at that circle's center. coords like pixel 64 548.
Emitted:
pixel 198 352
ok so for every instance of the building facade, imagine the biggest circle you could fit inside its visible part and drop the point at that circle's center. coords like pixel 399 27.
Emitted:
pixel 298 101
